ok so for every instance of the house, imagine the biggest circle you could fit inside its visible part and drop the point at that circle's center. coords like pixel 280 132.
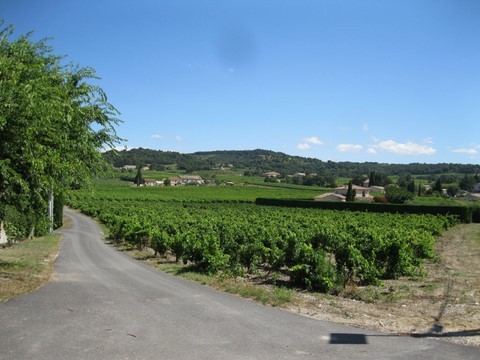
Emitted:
pixel 330 197
pixel 129 167
pixel 360 190
pixel 191 180
pixel 186 180
pixel 175 181
pixel 377 189
pixel 366 183
pixel 299 174
pixel 150 182
pixel 271 174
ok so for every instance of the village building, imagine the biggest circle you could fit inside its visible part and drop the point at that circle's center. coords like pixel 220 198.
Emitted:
pixel 271 174
pixel 361 193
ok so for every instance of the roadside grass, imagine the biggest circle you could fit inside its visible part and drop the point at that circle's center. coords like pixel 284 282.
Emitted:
pixel 27 265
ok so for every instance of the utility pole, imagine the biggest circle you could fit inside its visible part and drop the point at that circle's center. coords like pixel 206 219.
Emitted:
pixel 50 211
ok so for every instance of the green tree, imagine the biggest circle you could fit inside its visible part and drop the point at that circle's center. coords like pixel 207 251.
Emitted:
pixel 351 193
pixel 467 183
pixel 53 124
pixel 452 190
pixel 139 177
pixel 397 195
pixel 411 186
pixel 438 186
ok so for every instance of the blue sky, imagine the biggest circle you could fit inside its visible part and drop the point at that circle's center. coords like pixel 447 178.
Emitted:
pixel 351 80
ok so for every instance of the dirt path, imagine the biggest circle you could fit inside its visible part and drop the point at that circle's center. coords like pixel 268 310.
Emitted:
pixel 444 304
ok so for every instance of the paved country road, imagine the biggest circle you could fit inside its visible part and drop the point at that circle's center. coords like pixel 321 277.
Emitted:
pixel 102 304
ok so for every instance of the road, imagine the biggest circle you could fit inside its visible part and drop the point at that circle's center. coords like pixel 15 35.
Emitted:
pixel 101 304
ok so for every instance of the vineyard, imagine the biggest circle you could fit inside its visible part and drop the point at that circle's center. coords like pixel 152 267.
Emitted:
pixel 317 249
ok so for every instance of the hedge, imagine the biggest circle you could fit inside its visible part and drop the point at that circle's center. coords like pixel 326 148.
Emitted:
pixel 466 214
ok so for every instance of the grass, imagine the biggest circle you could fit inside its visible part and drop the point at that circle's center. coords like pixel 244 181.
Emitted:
pixel 27 265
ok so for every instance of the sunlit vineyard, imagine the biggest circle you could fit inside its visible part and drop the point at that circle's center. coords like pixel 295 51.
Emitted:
pixel 317 249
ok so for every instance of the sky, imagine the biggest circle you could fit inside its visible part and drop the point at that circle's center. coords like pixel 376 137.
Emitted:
pixel 341 80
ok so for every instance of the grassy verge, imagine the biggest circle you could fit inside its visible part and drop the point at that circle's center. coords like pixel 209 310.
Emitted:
pixel 27 265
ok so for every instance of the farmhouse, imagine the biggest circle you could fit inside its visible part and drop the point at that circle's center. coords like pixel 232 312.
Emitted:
pixel 191 180
pixel 360 190
pixel 271 174
pixel 186 180
pixel 150 182
pixel 362 193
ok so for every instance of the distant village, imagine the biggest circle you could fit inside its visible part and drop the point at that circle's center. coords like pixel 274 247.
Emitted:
pixel 338 194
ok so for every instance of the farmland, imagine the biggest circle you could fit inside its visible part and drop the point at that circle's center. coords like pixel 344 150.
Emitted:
pixel 219 229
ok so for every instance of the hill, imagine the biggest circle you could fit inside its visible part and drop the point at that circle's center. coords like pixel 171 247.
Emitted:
pixel 259 161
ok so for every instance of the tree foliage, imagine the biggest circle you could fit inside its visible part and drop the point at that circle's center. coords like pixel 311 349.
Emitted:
pixel 53 123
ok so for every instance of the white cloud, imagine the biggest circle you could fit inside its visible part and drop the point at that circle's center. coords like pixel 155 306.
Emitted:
pixel 178 138
pixel 313 140
pixel 408 148
pixel 303 146
pixel 349 148
pixel 365 127
pixel 371 151
pixel 427 140
pixel 465 151
pixel 158 136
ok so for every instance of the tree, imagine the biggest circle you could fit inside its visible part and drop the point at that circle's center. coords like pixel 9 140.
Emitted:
pixel 53 124
pixel 438 186
pixel 452 190
pixel 139 177
pixel 351 193
pixel 467 183
pixel 397 195
pixel 411 186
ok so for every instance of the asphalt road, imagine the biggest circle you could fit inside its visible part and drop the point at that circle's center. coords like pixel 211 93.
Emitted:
pixel 102 304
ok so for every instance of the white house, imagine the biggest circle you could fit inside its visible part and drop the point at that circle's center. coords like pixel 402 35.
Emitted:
pixel 191 179
pixel 360 190
pixel 271 174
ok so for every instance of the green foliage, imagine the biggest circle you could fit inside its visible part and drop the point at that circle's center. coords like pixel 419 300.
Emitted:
pixel 397 195
pixel 319 249
pixel 53 123
pixel 258 161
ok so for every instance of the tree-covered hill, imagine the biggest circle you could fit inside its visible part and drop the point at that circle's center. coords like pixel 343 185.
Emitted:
pixel 259 161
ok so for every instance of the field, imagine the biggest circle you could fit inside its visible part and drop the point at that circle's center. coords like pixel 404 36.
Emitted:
pixel 219 229
pixel 400 273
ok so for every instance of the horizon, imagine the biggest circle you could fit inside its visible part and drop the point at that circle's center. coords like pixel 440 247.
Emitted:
pixel 371 81
pixel 308 157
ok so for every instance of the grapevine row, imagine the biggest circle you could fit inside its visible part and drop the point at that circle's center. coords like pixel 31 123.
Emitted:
pixel 319 249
